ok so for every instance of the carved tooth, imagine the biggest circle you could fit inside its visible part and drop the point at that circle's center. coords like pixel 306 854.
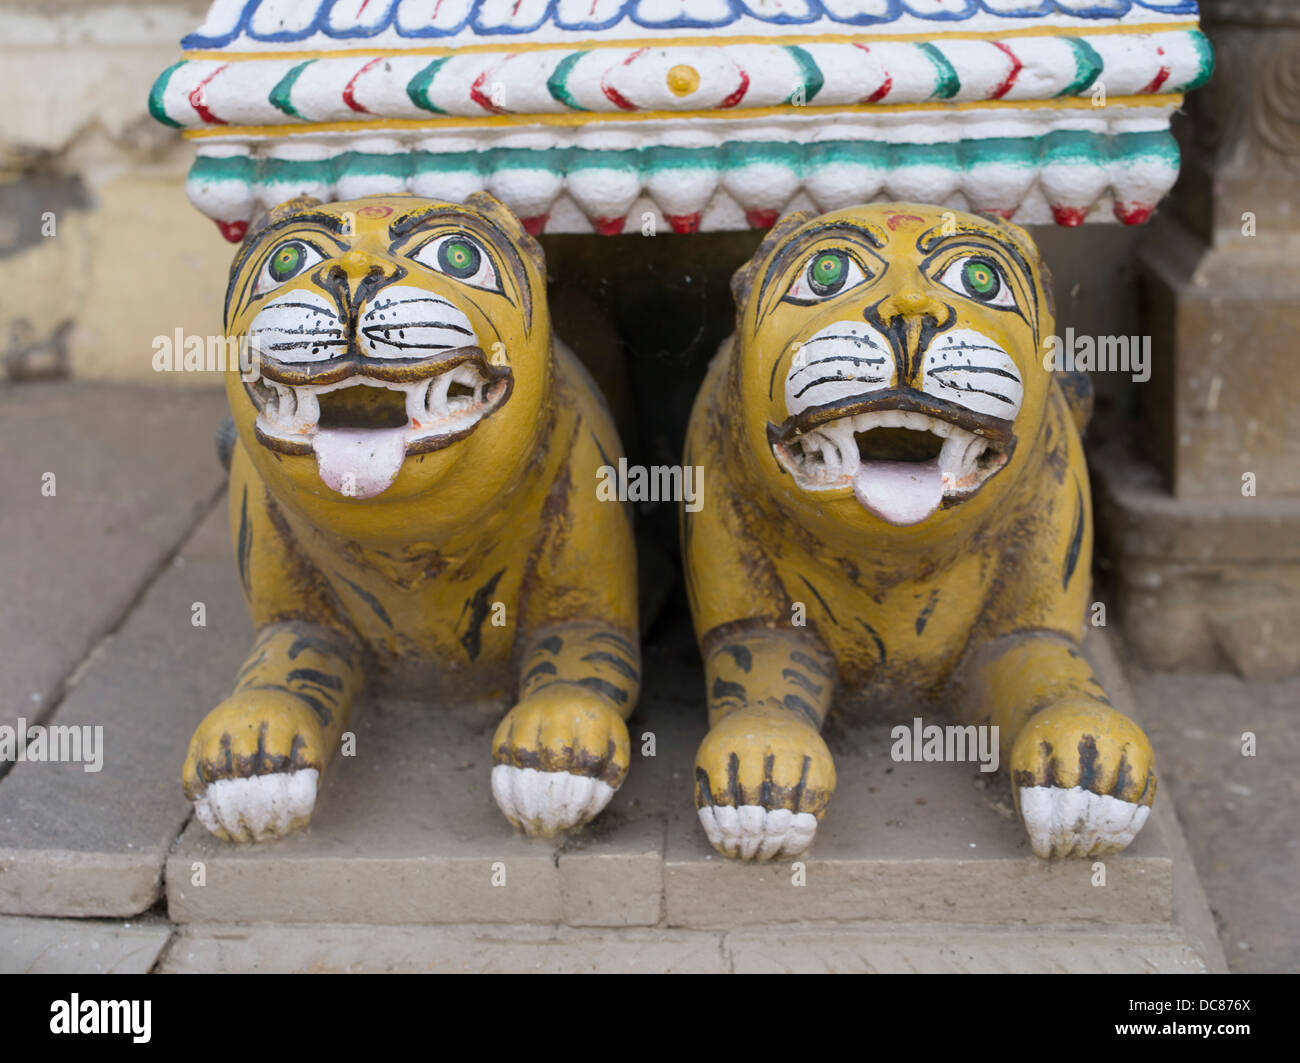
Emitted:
pixel 846 447
pixel 307 411
pixel 437 395
pixel 417 399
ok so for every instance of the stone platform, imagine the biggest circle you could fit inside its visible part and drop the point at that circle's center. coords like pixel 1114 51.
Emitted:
pixel 917 866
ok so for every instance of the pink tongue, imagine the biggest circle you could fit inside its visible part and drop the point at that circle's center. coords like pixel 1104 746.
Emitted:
pixel 901 492
pixel 359 462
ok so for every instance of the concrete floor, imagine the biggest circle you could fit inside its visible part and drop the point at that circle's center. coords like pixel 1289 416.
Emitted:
pixel 96 594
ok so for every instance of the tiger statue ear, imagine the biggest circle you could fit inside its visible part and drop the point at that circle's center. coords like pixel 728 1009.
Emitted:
pixel 742 281
pixel 508 222
pixel 269 217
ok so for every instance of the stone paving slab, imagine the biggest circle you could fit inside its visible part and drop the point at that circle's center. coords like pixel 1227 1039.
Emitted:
pixel 64 946
pixel 201 948
pixel 846 949
pixel 92 843
pixel 133 471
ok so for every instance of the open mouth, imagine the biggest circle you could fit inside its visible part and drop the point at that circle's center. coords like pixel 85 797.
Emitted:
pixel 902 464
pixel 362 428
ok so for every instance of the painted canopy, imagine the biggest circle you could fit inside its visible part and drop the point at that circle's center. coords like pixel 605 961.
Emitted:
pixel 592 115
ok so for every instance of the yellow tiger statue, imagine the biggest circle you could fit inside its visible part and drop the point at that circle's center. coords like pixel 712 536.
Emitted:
pixel 899 515
pixel 413 503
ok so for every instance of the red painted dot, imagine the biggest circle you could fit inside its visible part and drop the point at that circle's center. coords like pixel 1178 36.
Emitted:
pixel 762 219
pixel 233 230
pixel 534 226
pixel 684 223
pixel 608 226
pixel 1133 213
pixel 1069 216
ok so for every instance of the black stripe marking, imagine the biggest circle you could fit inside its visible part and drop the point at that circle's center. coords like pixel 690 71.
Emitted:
pixel 478 607
pixel 875 638
pixel 795 703
pixel 924 618
pixel 802 681
pixel 820 599
pixel 617 663
pixel 741 655
pixel 370 600
pixel 1076 536
pixel 245 542
pixel 540 668
pixel 722 689
pixel 314 675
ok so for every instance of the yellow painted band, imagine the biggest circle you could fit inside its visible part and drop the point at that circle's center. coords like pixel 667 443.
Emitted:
pixel 583 118
pixel 691 42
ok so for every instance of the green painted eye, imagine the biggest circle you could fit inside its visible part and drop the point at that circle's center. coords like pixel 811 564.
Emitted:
pixel 459 258
pixel 827 272
pixel 980 278
pixel 287 261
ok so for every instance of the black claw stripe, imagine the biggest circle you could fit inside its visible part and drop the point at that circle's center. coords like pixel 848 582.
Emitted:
pixel 703 793
pixel 1123 778
pixel 765 794
pixel 1050 776
pixel 617 663
pixel 733 779
pixel 1088 762
pixel 803 783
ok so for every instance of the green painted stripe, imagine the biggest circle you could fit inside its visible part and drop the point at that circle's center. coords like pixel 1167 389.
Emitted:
pixel 809 71
pixel 557 85
pixel 281 95
pixel 223 168
pixel 747 152
pixel 627 159
pixel 156 96
pixel 943 155
pixel 551 160
pixel 423 162
pixel 1205 66
pixel 1087 67
pixel 999 151
pixel 947 84
pixel 664 157
pixel 1073 146
pixel 868 153
pixel 1161 145
pixel 297 171
pixel 418 87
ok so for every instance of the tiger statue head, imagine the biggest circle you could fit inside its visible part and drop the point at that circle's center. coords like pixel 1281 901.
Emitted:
pixel 401 344
pixel 888 370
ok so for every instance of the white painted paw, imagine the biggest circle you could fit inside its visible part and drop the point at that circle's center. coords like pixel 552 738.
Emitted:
pixel 752 832
pixel 1077 822
pixel 260 807
pixel 543 803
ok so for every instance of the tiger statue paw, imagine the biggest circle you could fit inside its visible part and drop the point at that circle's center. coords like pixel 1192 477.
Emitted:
pixel 900 516
pixel 559 756
pixel 1083 776
pixel 254 765
pixel 413 507
pixel 762 781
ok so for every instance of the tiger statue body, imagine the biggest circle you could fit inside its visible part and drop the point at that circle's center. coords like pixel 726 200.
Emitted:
pixel 413 507
pixel 900 515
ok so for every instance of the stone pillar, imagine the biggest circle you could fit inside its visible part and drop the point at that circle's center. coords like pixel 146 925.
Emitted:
pixel 1199 501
